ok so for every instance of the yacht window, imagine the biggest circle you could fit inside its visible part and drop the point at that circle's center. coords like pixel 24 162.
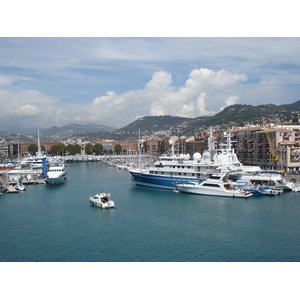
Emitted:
pixel 162 172
pixel 211 185
pixel 179 173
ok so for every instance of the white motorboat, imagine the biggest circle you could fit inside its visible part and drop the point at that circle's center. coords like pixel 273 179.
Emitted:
pixel 102 200
pixel 57 173
pixel 296 189
pixel 272 179
pixel 264 191
pixel 20 187
pixel 256 190
pixel 213 186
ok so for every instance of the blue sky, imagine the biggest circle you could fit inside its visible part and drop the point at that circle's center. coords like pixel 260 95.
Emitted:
pixel 112 81
pixel 46 81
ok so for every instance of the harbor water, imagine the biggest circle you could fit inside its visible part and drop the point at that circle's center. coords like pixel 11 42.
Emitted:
pixel 58 224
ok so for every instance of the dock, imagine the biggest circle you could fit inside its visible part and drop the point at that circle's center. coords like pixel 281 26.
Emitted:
pixel 11 189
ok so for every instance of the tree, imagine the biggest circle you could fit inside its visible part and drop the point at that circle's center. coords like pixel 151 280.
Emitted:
pixel 98 148
pixel 32 149
pixel 118 148
pixel 58 149
pixel 73 149
pixel 89 149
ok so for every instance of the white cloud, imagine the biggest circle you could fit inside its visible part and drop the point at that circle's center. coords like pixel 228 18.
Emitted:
pixel 204 88
pixel 204 92
pixel 7 80
pixel 28 108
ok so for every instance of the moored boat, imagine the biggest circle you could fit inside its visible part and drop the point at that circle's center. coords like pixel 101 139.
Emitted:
pixel 172 169
pixel 272 179
pixel 213 186
pixel 57 173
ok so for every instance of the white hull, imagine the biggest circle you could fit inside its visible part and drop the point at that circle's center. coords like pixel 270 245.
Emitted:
pixel 213 187
pixel 208 192
pixel 57 173
pixel 56 180
pixel 109 204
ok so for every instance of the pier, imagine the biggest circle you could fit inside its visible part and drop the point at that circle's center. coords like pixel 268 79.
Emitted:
pixel 11 189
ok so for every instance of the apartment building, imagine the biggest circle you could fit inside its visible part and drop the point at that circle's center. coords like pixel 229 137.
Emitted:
pixel 253 147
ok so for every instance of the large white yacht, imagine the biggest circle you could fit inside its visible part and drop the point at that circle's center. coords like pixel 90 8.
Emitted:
pixel 57 173
pixel 172 169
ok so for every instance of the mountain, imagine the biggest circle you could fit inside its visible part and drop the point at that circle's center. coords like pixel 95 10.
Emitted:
pixel 236 114
pixel 148 125
pixel 55 133
pixel 22 130
pixel 162 126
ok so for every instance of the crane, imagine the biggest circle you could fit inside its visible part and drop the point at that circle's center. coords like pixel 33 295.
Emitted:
pixel 274 156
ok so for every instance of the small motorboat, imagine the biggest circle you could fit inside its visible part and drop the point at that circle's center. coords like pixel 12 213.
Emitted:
pixel 296 189
pixel 102 200
pixel 265 190
pixel 20 187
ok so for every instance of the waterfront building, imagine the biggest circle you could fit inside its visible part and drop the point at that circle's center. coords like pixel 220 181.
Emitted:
pixel 164 144
pixel 4 149
pixel 253 147
pixel 152 146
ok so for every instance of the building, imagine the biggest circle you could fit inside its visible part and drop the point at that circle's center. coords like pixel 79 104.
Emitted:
pixel 4 149
pixel 152 146
pixel 268 147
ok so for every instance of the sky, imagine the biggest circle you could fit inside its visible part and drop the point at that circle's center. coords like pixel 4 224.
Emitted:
pixel 112 80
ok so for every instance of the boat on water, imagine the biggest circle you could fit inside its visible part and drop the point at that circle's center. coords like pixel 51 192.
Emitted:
pixel 215 185
pixel 263 191
pixel 57 173
pixel 172 169
pixel 37 163
pixel 102 200
pixel 273 179
pixel 20 186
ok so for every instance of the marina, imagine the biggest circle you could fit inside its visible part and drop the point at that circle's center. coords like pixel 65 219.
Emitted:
pixel 57 223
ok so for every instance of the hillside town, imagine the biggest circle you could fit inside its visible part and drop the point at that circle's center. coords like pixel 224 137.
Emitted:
pixel 269 146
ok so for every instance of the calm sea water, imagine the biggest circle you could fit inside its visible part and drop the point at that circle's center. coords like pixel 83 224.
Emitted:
pixel 46 223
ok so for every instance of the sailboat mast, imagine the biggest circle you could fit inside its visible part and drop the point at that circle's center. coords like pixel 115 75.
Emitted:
pixel 39 142
pixel 139 150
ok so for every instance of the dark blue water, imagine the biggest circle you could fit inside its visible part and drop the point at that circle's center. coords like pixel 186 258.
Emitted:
pixel 47 223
